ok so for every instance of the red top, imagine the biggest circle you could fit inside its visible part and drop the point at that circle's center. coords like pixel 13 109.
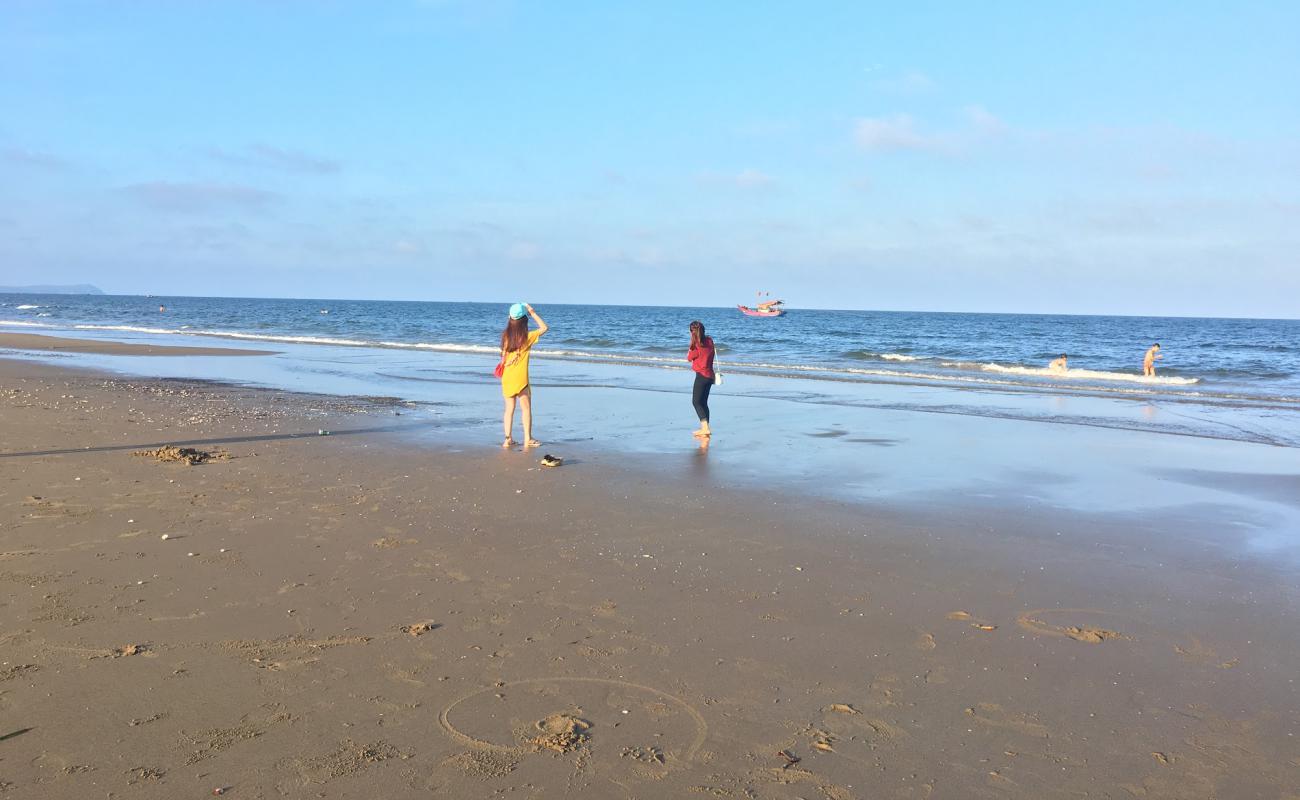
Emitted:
pixel 701 357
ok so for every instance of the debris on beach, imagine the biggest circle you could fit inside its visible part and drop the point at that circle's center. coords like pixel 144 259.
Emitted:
pixel 980 626
pixel 1091 635
pixel 959 615
pixel 844 708
pixel 418 628
pixel 189 455
pixel 1088 634
pixel 562 733
pixel 549 460
pixel 790 758
pixel 128 650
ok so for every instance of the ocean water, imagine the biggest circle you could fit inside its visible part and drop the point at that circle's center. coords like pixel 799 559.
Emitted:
pixel 907 408
pixel 1244 361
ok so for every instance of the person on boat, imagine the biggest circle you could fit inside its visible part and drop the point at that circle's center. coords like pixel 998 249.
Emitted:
pixel 516 344
pixel 1149 360
pixel 1059 364
pixel 700 355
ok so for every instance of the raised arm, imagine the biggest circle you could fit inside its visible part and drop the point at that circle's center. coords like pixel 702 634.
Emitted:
pixel 542 327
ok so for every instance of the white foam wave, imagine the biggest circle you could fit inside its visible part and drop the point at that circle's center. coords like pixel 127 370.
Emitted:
pixel 25 307
pixel 964 373
pixel 131 328
pixel 442 348
pixel 1091 375
pixel 261 337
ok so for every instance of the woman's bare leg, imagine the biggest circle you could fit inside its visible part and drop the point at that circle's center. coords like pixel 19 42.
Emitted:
pixel 526 409
pixel 509 421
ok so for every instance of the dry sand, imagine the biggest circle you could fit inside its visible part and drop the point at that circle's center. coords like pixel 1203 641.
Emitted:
pixel 56 344
pixel 352 616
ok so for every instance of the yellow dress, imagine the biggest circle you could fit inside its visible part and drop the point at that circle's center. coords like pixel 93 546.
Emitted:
pixel 515 377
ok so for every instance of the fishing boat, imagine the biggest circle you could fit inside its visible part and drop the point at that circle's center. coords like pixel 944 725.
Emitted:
pixel 764 308
pixel 770 311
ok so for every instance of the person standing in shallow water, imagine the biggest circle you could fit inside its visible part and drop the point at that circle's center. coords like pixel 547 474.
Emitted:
pixel 701 355
pixel 1149 360
pixel 516 345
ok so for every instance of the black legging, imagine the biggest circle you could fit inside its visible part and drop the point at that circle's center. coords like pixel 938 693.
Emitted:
pixel 700 396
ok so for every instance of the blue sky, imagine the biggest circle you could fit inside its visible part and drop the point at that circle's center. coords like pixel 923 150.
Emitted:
pixel 1095 158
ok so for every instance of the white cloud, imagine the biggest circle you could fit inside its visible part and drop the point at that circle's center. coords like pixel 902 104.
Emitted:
pixel 900 132
pixel 272 157
pixel 192 197
pixel 909 83
pixel 748 178
pixel 32 158
pixel 984 121
pixel 753 179
pixel 896 132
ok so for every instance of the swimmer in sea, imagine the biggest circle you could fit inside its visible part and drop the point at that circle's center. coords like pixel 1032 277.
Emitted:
pixel 1149 360
pixel 1059 365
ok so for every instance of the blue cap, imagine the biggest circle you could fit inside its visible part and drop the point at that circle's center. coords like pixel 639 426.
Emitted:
pixel 517 311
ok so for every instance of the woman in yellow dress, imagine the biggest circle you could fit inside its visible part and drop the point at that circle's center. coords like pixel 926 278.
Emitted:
pixel 516 343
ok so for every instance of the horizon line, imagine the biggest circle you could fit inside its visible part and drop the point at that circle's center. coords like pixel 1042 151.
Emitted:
pixel 654 305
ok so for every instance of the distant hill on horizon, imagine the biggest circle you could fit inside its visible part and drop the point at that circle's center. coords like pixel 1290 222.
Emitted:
pixel 78 288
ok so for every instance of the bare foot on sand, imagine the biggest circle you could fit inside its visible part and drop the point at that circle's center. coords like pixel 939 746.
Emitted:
pixel 508 443
pixel 701 434
pixel 532 443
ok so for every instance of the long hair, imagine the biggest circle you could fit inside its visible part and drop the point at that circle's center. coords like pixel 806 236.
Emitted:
pixel 515 336
pixel 697 334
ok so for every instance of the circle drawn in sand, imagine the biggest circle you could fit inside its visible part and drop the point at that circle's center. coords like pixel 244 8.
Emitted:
pixel 1033 622
pixel 563 714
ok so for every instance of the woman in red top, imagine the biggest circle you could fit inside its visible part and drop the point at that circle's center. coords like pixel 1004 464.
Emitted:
pixel 701 357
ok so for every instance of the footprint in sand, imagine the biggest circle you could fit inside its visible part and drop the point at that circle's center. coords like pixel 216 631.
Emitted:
pixel 1199 652
pixel 1033 622
pixel 995 716
pixel 349 759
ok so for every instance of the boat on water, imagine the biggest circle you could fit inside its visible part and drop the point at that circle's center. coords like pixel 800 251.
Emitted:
pixel 765 308
pixel 770 311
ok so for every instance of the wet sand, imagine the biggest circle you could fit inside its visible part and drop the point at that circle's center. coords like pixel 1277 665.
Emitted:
pixel 354 616
pixel 58 344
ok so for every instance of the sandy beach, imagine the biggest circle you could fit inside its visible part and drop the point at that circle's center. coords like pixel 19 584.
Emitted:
pixel 373 613
pixel 59 344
